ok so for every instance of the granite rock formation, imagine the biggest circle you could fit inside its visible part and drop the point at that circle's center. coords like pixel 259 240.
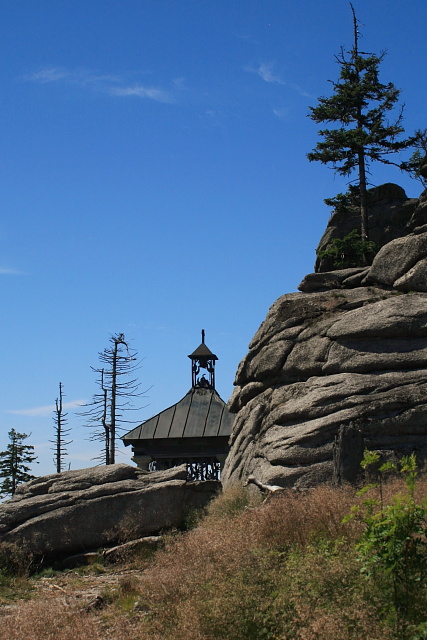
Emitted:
pixel 349 350
pixel 391 215
pixel 76 511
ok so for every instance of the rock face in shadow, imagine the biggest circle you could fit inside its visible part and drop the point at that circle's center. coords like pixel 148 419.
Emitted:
pixel 76 511
pixel 349 349
pixel 391 215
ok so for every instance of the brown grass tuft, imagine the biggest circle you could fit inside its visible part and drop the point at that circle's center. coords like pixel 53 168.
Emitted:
pixel 15 560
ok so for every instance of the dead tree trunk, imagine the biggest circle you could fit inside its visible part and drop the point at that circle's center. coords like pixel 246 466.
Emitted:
pixel 61 432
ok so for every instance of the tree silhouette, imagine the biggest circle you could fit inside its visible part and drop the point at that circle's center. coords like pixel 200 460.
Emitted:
pixel 14 461
pixel 360 106
pixel 106 413
pixel 61 432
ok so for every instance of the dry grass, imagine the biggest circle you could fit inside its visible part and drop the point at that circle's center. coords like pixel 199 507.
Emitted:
pixel 15 560
pixel 231 577
pixel 284 570
pixel 50 620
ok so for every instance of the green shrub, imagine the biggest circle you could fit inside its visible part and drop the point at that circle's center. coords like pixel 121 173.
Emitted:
pixel 345 202
pixel 393 546
pixel 350 251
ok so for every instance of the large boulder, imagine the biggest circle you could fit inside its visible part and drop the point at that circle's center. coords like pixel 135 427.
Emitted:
pixel 402 264
pixel 349 350
pixel 321 361
pixel 76 511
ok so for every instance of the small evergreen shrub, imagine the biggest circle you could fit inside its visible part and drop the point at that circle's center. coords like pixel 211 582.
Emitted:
pixel 350 251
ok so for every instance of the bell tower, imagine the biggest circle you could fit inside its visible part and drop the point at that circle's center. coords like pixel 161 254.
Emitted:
pixel 203 358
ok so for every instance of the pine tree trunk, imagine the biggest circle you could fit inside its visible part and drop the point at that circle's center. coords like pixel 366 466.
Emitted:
pixel 14 465
pixel 364 223
pixel 364 226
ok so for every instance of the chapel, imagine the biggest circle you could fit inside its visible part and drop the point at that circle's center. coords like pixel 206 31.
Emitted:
pixel 194 431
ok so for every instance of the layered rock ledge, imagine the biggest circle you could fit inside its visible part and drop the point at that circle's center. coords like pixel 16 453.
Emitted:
pixel 77 511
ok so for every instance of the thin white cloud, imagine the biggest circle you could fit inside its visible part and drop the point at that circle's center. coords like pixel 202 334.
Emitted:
pixel 85 457
pixel 179 82
pixel 282 112
pixel 301 91
pixel 214 117
pixel 265 71
pixel 112 85
pixel 40 446
pixel 10 272
pixel 159 95
pixel 46 410
pixel 77 76
pixel 48 74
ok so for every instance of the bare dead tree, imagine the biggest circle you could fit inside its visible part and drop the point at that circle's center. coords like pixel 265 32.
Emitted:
pixel 108 410
pixel 97 418
pixel 61 432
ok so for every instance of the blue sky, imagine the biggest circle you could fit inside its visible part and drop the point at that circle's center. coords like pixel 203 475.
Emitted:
pixel 154 182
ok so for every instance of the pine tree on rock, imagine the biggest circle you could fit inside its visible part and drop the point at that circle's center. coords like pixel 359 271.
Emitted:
pixel 360 105
pixel 14 463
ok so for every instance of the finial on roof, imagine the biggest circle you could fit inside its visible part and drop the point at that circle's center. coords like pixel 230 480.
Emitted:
pixel 203 336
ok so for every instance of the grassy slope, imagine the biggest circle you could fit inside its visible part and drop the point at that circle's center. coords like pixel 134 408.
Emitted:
pixel 283 570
